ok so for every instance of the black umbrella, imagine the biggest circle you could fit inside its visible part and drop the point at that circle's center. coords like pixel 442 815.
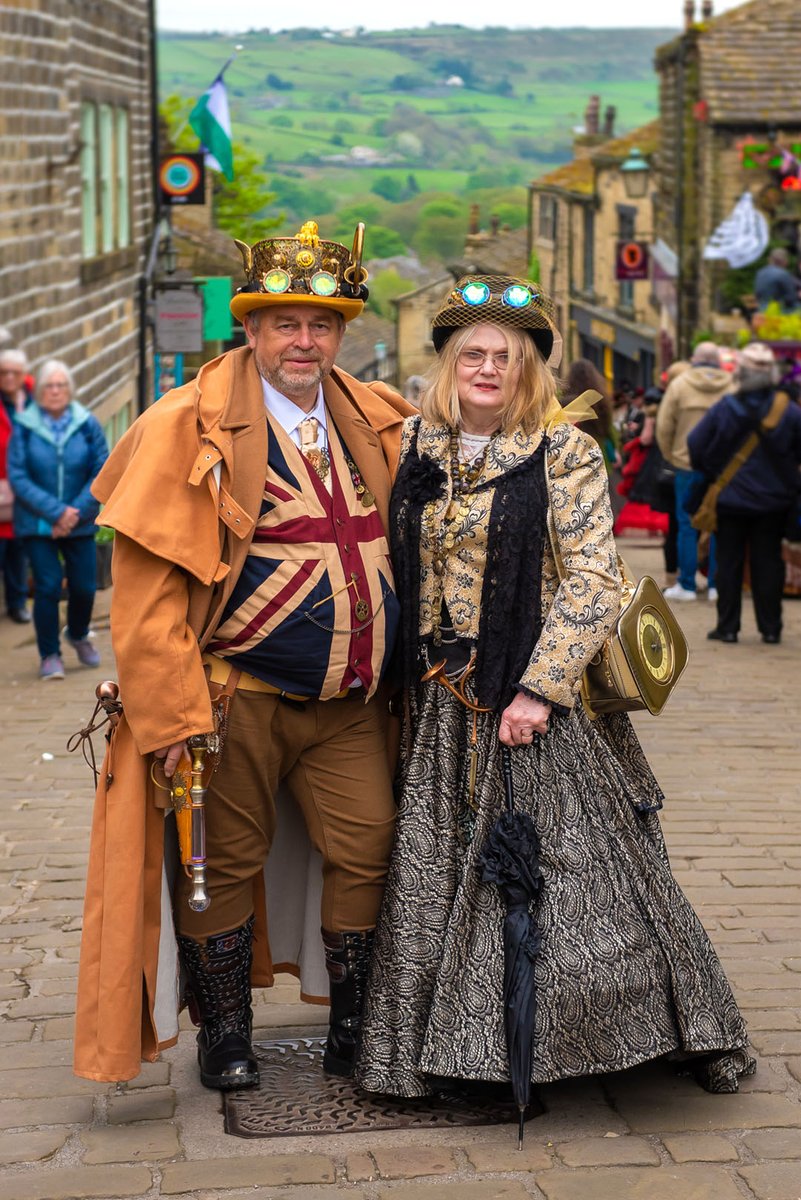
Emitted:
pixel 510 860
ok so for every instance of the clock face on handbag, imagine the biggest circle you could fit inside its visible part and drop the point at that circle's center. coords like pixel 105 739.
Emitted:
pixel 657 653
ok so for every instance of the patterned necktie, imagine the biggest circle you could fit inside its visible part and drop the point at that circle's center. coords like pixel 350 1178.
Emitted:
pixel 310 448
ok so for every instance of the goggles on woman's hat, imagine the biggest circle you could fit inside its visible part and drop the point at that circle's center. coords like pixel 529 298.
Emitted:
pixel 303 270
pixel 501 300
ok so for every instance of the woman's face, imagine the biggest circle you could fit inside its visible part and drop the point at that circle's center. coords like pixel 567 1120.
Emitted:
pixel 12 378
pixel 482 367
pixel 55 394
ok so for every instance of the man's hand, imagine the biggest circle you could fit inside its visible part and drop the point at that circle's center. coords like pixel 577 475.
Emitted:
pixel 522 719
pixel 171 755
pixel 66 522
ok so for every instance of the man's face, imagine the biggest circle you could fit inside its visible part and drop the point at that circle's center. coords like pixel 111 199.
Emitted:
pixel 295 346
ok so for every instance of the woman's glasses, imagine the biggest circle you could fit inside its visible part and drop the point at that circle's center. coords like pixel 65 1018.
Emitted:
pixel 477 358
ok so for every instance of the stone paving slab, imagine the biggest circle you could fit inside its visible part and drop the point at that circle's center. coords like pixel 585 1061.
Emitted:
pixel 728 760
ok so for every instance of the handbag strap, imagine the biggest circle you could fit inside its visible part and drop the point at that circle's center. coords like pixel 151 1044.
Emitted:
pixel 740 458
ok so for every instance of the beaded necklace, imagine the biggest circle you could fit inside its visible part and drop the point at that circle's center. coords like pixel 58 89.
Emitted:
pixel 443 537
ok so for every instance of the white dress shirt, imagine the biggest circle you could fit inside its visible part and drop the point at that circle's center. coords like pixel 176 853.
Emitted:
pixel 289 415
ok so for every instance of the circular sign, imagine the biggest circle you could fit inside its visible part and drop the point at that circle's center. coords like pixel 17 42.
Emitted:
pixel 631 255
pixel 179 175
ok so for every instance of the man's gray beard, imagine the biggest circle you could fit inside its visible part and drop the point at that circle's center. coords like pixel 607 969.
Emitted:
pixel 289 384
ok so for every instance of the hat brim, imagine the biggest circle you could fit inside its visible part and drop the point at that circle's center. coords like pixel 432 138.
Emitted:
pixel 543 339
pixel 245 302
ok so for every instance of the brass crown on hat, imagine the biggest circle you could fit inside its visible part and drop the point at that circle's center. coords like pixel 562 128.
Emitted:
pixel 305 265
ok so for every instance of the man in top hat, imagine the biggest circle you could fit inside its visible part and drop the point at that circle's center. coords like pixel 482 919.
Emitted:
pixel 250 508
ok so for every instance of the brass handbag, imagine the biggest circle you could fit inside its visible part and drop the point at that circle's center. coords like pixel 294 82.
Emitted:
pixel 643 657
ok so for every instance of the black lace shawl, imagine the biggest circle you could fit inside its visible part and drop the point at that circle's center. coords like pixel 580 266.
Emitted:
pixel 511 617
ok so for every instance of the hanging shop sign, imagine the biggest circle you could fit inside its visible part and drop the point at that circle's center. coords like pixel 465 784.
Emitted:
pixel 182 179
pixel 631 261
pixel 179 320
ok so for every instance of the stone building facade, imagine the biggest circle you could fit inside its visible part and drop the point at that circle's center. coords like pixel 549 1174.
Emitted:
pixel 726 84
pixel 76 193
pixel 578 215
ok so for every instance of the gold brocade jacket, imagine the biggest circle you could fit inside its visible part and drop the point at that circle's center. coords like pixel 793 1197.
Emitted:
pixel 578 613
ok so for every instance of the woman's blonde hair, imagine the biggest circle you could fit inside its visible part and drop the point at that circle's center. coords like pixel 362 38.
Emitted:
pixel 526 398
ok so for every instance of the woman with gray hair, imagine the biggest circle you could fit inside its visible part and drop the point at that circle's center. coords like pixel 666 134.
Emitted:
pixel 754 506
pixel 56 450
pixel 16 394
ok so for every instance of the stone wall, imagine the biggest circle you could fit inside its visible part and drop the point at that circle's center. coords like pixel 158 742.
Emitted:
pixel 56 55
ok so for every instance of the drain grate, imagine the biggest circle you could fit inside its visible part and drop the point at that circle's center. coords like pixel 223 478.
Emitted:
pixel 295 1097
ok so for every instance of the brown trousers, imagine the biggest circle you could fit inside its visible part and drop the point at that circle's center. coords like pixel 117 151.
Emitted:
pixel 333 757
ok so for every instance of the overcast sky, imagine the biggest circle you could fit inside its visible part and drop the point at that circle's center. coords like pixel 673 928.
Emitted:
pixel 238 15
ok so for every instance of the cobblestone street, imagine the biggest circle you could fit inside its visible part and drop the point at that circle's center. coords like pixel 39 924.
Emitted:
pixel 727 754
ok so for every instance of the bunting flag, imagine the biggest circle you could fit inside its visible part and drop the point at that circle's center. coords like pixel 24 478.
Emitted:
pixel 742 238
pixel 211 121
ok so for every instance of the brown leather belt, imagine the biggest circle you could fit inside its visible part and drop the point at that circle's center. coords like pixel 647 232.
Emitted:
pixel 219 671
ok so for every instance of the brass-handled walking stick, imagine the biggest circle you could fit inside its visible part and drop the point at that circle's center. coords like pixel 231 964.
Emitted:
pixel 186 787
pixel 188 799
pixel 190 817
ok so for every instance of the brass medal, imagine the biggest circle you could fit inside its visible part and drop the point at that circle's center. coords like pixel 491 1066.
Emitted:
pixel 362 610
pixel 368 499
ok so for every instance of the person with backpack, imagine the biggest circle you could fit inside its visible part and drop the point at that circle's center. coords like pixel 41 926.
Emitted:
pixel 748 446
pixel 57 448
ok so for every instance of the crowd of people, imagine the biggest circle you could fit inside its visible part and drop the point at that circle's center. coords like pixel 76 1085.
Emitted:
pixel 51 449
pixel 666 446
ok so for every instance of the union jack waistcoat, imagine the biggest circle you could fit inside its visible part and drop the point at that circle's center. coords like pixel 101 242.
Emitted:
pixel 314 609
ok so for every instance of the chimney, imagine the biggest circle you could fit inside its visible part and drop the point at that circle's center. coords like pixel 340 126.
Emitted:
pixel 591 116
pixel 475 219
pixel 610 114
pixel 707 10
pixel 689 13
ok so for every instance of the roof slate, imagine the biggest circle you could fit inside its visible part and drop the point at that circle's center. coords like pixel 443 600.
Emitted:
pixel 747 58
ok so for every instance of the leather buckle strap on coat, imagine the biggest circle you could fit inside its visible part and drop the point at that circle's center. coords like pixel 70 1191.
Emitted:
pixel 705 517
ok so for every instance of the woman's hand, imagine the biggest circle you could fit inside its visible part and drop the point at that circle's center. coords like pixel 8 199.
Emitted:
pixel 66 522
pixel 522 719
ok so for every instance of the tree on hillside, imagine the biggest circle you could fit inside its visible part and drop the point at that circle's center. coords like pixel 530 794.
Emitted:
pixel 239 203
pixel 385 287
pixel 389 187
pixel 381 242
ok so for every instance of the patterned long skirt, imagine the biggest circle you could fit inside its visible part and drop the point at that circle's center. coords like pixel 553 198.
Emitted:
pixel 625 971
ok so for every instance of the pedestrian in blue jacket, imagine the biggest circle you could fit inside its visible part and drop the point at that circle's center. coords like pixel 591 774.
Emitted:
pixel 754 509
pixel 56 450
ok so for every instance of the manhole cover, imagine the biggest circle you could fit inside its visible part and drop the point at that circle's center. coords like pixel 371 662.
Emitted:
pixel 295 1097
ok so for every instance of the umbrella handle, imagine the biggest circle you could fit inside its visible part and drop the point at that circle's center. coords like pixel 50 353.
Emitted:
pixel 508 786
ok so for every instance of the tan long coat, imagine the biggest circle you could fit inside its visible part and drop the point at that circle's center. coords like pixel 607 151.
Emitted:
pixel 179 548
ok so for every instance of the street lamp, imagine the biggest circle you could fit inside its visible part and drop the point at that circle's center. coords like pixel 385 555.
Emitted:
pixel 635 171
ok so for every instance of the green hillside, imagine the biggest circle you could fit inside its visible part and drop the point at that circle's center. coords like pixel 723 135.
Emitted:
pixel 475 114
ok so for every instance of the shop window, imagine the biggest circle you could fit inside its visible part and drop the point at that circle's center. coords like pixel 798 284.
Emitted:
pixel 589 250
pixel 548 218
pixel 123 180
pixel 89 180
pixel 627 220
pixel 105 183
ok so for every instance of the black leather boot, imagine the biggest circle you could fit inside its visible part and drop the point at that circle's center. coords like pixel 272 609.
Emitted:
pixel 219 999
pixel 347 959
